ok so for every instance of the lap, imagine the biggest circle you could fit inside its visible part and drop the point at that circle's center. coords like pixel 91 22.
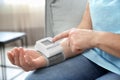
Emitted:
pixel 77 68
pixel 109 76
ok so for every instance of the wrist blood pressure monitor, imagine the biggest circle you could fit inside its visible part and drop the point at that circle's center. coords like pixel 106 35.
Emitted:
pixel 51 50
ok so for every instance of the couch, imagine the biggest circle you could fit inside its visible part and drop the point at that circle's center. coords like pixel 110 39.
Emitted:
pixel 61 15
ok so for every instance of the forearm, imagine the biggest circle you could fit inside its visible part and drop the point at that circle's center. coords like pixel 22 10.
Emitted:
pixel 86 20
pixel 84 24
pixel 108 42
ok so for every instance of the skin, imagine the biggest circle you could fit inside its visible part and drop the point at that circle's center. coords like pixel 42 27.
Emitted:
pixel 84 37
pixel 27 59
pixel 75 41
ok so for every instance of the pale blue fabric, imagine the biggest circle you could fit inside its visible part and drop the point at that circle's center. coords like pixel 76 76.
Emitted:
pixel 105 16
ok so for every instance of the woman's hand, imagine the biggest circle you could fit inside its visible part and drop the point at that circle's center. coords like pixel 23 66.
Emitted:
pixel 27 59
pixel 79 39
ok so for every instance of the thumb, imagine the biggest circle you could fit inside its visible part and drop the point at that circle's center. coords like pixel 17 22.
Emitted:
pixel 10 57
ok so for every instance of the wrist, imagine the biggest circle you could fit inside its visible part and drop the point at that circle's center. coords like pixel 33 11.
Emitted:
pixel 44 61
pixel 99 38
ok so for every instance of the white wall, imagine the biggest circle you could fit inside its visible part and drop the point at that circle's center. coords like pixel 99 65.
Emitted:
pixel 23 18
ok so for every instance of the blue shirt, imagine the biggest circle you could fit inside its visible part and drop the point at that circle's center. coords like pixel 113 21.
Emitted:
pixel 105 15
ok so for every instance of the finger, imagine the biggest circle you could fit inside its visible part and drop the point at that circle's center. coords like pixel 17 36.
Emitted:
pixel 13 49
pixel 25 65
pixel 73 44
pixel 22 58
pixel 29 64
pixel 68 42
pixel 61 35
pixel 16 56
pixel 78 51
pixel 72 31
pixel 10 57
pixel 73 49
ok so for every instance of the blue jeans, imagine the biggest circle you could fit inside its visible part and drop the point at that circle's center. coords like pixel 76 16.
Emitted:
pixel 77 68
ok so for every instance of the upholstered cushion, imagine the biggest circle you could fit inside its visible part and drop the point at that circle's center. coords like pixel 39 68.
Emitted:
pixel 63 14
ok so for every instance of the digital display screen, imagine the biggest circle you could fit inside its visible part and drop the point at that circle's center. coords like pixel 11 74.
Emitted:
pixel 46 42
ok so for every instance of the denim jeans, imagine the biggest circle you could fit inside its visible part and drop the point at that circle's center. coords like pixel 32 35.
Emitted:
pixel 77 68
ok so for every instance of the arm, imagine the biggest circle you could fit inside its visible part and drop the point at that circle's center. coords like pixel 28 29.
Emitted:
pixel 106 41
pixel 30 59
pixel 109 42
pixel 86 19
pixel 84 24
